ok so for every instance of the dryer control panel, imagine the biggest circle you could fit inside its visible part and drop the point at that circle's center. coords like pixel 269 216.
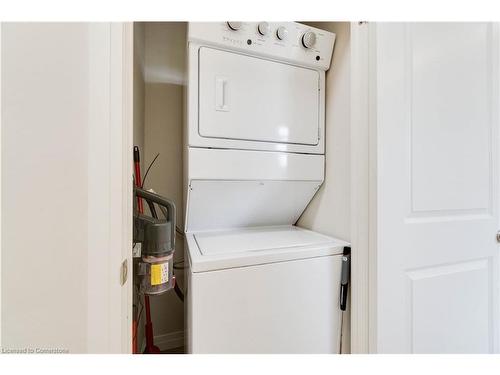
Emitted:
pixel 286 41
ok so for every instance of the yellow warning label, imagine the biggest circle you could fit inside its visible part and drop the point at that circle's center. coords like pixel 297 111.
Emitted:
pixel 159 273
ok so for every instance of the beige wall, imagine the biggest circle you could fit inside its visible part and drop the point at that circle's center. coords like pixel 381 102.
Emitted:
pixel 158 102
pixel 139 129
pixel 165 52
pixel 139 88
pixel 164 117
pixel 329 211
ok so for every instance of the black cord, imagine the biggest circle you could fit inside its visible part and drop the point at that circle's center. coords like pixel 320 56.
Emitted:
pixel 147 170
pixel 178 291
pixel 179 231
pixel 152 209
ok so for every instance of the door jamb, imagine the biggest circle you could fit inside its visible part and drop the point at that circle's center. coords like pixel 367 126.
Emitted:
pixel 109 322
pixel 121 96
pixel 123 33
pixel 363 187
pixel 0 184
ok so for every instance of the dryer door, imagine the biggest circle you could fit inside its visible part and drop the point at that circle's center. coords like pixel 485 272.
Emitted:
pixel 249 98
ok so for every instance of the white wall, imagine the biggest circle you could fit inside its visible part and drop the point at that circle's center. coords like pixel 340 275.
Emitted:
pixel 330 210
pixel 62 229
pixel 44 186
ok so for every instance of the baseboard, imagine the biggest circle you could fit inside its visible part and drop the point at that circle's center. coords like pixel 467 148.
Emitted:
pixel 166 341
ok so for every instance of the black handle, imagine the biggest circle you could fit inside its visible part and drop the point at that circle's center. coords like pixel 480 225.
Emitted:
pixel 344 277
pixel 343 296
pixel 137 159
pixel 166 206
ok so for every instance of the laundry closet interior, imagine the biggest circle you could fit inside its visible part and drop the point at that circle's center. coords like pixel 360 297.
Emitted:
pixel 245 127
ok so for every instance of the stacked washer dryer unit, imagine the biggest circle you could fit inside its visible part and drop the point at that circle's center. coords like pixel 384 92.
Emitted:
pixel 254 159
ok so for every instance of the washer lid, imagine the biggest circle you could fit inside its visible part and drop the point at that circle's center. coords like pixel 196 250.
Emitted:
pixel 257 239
pixel 210 251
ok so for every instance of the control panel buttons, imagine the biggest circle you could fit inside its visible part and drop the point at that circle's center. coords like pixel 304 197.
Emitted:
pixel 282 33
pixel 309 39
pixel 263 28
pixel 234 25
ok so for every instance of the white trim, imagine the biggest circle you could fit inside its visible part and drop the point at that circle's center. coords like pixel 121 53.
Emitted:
pixel 372 186
pixel 1 183
pixel 98 186
pixel 109 187
pixel 361 210
pixel 122 58
pixel 127 199
pixel 496 85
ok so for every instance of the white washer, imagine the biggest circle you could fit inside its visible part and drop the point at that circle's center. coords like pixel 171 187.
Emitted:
pixel 254 158
pixel 263 290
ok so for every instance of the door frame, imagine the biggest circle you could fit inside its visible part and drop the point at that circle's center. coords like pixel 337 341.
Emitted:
pixel 122 54
pixel 363 188
pixel 121 123
pixel 1 184
pixel 109 321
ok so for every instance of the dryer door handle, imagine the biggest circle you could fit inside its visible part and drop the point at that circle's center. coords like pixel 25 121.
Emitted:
pixel 221 94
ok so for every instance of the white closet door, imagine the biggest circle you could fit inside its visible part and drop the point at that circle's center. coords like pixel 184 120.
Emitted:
pixel 437 188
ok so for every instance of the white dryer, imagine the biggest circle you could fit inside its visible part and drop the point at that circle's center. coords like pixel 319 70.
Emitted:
pixel 254 159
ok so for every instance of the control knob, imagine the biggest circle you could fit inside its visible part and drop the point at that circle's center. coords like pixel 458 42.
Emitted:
pixel 309 39
pixel 234 25
pixel 263 28
pixel 281 33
